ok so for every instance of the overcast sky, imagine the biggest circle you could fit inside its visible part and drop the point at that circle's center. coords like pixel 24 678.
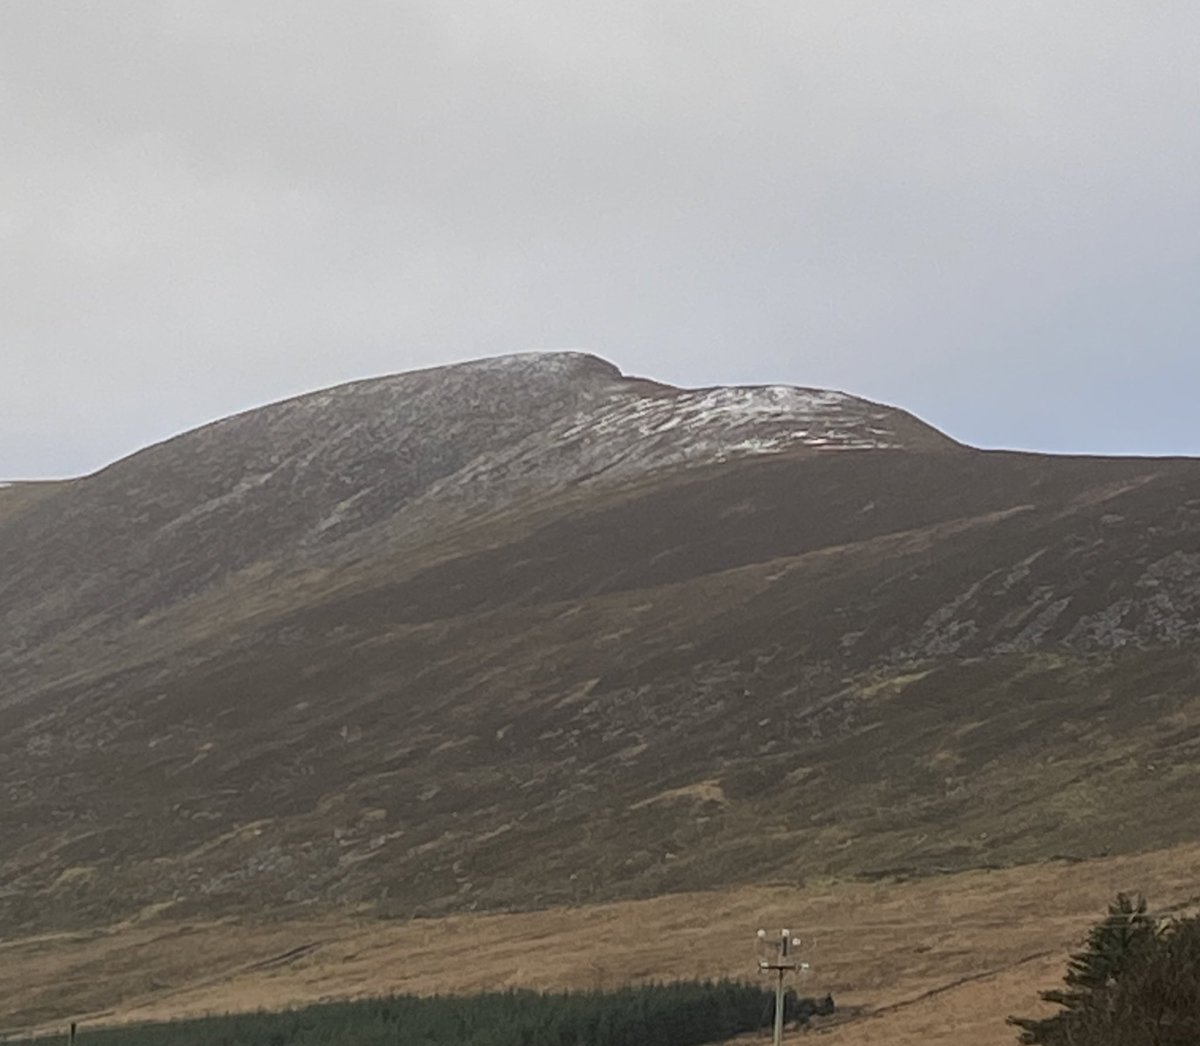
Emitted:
pixel 988 213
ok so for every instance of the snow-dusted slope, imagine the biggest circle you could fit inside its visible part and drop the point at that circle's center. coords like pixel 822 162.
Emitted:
pixel 808 416
pixel 628 427
pixel 705 424
pixel 321 475
pixel 634 431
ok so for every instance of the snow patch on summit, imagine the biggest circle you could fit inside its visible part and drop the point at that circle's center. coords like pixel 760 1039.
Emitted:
pixel 541 361
pixel 539 366
pixel 634 429
pixel 767 418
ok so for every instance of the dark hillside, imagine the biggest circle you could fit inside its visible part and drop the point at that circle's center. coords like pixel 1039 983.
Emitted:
pixel 794 661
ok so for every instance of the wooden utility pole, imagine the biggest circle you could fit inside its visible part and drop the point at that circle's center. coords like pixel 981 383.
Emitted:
pixel 777 956
pixel 71 1037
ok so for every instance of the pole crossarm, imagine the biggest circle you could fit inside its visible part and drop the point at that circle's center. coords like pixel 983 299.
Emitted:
pixel 775 956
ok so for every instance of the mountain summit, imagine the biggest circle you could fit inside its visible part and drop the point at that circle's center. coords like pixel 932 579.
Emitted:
pixel 356 467
pixel 523 631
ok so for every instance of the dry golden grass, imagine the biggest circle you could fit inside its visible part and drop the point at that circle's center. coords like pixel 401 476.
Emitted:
pixel 934 961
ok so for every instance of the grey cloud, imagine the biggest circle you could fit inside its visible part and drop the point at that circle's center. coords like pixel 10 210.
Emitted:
pixel 985 213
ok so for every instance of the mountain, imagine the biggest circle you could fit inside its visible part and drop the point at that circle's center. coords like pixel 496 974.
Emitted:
pixel 524 630
pixel 328 476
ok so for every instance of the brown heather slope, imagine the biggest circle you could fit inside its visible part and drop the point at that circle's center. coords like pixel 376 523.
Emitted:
pixel 365 648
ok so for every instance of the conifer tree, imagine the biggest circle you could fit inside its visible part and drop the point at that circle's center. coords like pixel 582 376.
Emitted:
pixel 1112 945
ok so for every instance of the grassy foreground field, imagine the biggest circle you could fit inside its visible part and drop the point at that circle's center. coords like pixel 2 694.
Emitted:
pixel 930 961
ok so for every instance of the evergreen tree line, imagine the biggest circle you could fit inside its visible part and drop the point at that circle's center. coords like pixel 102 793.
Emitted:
pixel 680 1014
pixel 1135 983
